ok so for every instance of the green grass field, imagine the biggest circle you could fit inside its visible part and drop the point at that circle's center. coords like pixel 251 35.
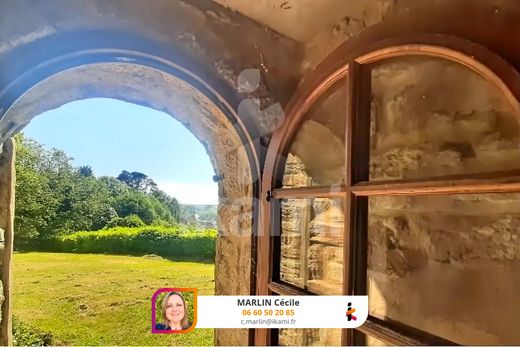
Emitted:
pixel 91 299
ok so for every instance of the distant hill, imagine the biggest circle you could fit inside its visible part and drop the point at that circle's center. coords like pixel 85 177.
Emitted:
pixel 203 216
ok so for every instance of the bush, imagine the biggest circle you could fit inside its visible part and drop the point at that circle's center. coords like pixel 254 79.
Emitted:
pixel 27 335
pixel 131 221
pixel 169 242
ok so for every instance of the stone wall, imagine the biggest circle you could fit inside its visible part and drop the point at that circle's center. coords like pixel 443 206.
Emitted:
pixel 311 250
pixel 443 263
pixel 360 16
pixel 390 18
pixel 312 229
pixel 431 117
pixel 7 184
pixel 311 240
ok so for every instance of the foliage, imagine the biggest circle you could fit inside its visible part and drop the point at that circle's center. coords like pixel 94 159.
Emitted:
pixel 94 299
pixel 26 335
pixel 131 221
pixel 53 198
pixel 86 171
pixel 36 205
pixel 171 203
pixel 137 181
pixel 175 243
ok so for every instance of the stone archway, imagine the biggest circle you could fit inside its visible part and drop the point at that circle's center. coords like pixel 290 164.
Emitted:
pixel 203 113
pixel 175 41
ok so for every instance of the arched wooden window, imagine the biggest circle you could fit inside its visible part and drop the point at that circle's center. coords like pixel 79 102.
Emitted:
pixel 397 175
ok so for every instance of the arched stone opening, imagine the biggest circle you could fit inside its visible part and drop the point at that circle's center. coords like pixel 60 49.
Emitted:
pixel 150 81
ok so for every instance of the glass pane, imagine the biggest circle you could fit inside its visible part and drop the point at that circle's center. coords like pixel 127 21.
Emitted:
pixel 317 153
pixel 372 341
pixel 448 265
pixel 311 244
pixel 433 117
pixel 309 337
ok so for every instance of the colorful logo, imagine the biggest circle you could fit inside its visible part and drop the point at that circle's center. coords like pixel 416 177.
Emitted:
pixel 349 314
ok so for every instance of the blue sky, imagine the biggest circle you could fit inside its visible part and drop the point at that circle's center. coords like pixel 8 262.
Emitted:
pixel 112 135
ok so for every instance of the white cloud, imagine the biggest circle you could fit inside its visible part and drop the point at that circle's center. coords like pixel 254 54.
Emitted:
pixel 192 193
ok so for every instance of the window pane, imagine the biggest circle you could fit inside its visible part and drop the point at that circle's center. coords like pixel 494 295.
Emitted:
pixel 317 153
pixel 448 265
pixel 372 341
pixel 309 337
pixel 311 244
pixel 433 117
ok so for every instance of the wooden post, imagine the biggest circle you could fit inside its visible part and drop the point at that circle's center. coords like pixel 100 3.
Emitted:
pixel 7 186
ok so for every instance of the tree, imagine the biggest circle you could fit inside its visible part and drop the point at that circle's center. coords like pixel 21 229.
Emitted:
pixel 131 221
pixel 135 203
pixel 86 205
pixel 42 180
pixel 54 198
pixel 171 203
pixel 138 181
pixel 35 202
pixel 85 171
pixel 114 186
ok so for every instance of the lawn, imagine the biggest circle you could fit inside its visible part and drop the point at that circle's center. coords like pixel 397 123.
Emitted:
pixel 91 299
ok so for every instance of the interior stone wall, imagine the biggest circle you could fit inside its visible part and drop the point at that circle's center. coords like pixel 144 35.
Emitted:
pixel 360 16
pixel 311 237
pixel 400 17
pixel 442 263
pixel 202 32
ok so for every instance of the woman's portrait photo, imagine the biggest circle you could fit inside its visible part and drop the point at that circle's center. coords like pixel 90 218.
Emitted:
pixel 174 310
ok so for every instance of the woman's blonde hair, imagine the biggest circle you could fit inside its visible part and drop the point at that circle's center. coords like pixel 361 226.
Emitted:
pixel 184 322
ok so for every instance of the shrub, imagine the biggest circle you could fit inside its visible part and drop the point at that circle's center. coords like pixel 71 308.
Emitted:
pixel 131 221
pixel 169 242
pixel 27 335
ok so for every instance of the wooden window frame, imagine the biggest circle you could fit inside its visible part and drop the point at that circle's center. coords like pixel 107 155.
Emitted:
pixel 357 186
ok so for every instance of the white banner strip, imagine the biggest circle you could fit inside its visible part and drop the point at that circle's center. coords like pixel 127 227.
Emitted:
pixel 281 311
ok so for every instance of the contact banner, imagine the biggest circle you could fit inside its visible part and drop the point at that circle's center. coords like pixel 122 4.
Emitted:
pixel 281 311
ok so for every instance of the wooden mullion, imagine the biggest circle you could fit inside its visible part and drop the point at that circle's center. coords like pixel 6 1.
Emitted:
pixel 357 169
pixel 304 243
pixel 361 172
pixel 309 192
pixel 347 335
pixel 360 245
pixel 275 253
pixel 453 177
pixel 439 187
pixel 398 334
pixel 387 335
pixel 264 266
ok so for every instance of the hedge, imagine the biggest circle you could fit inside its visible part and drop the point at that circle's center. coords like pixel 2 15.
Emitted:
pixel 170 242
